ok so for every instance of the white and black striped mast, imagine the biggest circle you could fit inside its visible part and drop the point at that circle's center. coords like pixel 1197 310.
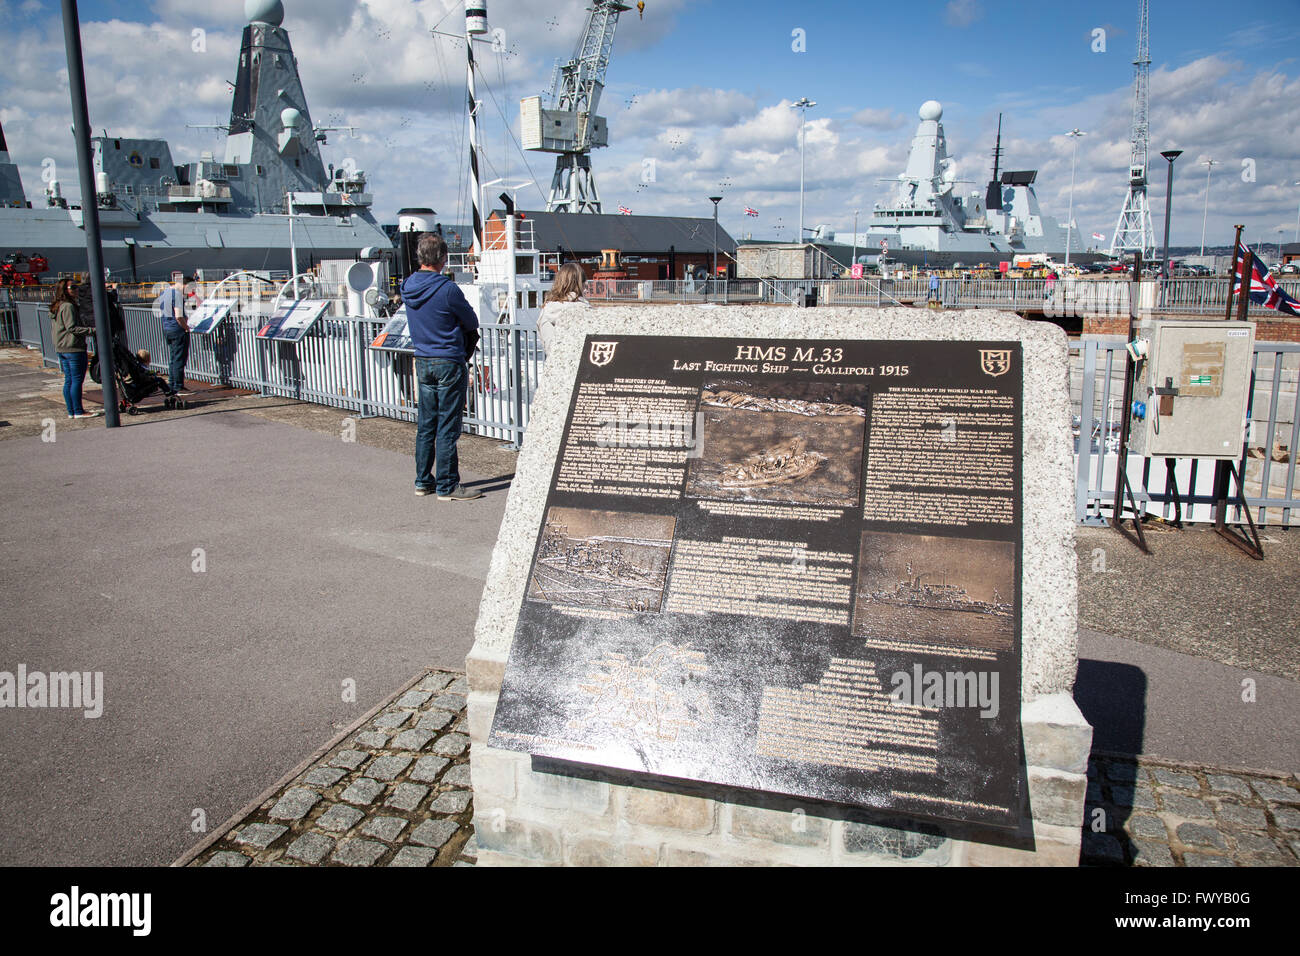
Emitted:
pixel 475 25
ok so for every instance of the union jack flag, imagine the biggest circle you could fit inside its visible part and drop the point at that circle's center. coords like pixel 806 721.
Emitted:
pixel 624 211
pixel 751 211
pixel 1264 289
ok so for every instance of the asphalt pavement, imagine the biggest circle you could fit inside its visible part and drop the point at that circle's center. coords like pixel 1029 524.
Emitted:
pixel 232 578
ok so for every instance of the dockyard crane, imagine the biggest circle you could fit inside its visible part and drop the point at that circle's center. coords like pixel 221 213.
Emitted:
pixel 1133 231
pixel 571 126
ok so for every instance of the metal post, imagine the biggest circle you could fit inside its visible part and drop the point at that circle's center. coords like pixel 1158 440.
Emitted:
pixel 1074 134
pixel 90 209
pixel 1232 272
pixel 293 249
pixel 715 200
pixel 802 105
pixel 1209 165
pixel 854 261
pixel 1170 155
pixel 1121 465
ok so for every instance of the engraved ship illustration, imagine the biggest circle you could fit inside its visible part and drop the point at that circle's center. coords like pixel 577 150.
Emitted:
pixel 914 593
pixel 788 461
pixel 762 403
pixel 608 564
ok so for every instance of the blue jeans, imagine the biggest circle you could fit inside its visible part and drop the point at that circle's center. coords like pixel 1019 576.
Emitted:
pixel 178 343
pixel 74 365
pixel 443 384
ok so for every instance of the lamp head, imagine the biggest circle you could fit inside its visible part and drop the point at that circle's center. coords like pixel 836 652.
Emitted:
pixel 1171 154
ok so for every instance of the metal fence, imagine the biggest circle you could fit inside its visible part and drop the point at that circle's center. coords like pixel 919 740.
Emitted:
pixel 1097 391
pixel 333 365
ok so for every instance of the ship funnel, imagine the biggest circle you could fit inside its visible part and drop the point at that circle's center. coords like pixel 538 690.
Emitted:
pixel 476 17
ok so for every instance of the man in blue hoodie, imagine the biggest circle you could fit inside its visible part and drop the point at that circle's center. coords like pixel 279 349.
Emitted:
pixel 444 332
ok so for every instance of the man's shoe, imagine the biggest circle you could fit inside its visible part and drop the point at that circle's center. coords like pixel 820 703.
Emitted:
pixel 423 492
pixel 460 493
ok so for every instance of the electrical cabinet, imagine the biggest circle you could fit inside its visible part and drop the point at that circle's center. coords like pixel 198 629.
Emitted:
pixel 1195 384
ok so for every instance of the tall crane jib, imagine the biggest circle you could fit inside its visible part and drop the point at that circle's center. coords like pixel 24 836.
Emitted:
pixel 1133 231
pixel 571 127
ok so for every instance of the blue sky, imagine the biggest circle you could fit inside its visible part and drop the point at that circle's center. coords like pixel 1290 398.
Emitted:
pixel 703 89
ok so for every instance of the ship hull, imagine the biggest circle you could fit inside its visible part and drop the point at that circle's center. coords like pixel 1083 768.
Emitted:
pixel 184 242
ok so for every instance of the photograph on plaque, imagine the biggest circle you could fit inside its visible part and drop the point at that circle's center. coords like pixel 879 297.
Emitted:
pixel 825 604
pixel 780 441
pixel 292 320
pixel 602 559
pixel 395 336
pixel 209 315
pixel 942 592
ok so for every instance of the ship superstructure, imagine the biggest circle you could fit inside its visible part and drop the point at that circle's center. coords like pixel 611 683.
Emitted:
pixel 926 214
pixel 225 213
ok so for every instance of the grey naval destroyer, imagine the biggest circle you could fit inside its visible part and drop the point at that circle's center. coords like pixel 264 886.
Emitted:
pixel 926 221
pixel 159 217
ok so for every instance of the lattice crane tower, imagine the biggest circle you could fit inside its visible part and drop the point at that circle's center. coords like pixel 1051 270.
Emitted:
pixel 572 128
pixel 1133 231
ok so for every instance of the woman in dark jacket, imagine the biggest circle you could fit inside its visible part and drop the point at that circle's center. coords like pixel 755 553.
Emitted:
pixel 70 343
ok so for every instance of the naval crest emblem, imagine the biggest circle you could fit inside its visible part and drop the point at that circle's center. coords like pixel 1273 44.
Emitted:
pixel 995 362
pixel 601 353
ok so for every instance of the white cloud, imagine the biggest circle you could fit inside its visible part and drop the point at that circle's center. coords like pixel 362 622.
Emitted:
pixel 962 13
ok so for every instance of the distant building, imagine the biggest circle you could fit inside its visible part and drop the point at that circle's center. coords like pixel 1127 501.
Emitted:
pixel 652 247
pixel 794 260
pixel 1290 252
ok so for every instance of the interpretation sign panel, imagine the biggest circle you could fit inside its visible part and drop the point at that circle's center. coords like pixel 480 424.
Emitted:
pixel 291 321
pixel 395 336
pixel 783 565
pixel 209 315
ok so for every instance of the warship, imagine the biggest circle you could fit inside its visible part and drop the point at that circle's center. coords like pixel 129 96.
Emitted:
pixel 158 217
pixel 926 221
pixel 940 597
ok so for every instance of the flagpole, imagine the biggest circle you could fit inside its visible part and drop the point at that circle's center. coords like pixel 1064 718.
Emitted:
pixel 1232 271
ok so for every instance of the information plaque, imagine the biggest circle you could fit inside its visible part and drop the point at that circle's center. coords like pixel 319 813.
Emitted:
pixel 292 320
pixel 783 565
pixel 395 336
pixel 209 315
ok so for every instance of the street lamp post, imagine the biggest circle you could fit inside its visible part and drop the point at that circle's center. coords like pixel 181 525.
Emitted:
pixel 1297 219
pixel 802 105
pixel 715 200
pixel 1209 165
pixel 1170 155
pixel 854 261
pixel 1074 134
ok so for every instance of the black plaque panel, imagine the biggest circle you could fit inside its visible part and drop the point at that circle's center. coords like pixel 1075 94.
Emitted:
pixel 783 565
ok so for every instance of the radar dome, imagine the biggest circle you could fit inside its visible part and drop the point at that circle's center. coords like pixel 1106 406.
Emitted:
pixel 264 11
pixel 931 110
pixel 289 117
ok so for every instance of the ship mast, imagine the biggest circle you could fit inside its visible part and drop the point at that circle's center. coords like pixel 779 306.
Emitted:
pixel 993 195
pixel 1133 231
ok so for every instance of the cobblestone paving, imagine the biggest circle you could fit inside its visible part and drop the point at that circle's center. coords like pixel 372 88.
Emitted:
pixel 1154 814
pixel 394 793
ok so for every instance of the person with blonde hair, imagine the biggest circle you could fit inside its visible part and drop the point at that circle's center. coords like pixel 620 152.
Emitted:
pixel 566 288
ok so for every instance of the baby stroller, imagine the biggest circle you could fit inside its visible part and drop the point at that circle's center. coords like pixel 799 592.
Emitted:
pixel 135 380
